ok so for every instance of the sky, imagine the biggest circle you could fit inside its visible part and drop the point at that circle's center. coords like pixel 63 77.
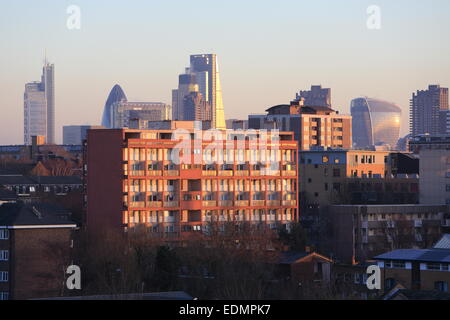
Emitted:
pixel 268 50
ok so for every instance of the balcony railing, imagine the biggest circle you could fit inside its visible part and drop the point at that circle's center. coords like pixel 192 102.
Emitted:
pixel 258 202
pixel 241 173
pixel 136 173
pixel 290 173
pixel 225 173
pixel 209 172
pixel 289 202
pixel 209 203
pixel 170 204
pixel 154 173
pixel 171 173
pixel 241 203
pixel 225 203
pixel 137 204
pixel 154 204
pixel 272 203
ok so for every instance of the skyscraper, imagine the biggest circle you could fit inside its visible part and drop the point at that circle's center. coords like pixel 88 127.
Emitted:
pixel 48 82
pixel 196 108
pixel 115 95
pixel 206 65
pixel 425 107
pixel 202 77
pixel 186 84
pixel 35 112
pixel 375 122
pixel 39 107
pixel 316 97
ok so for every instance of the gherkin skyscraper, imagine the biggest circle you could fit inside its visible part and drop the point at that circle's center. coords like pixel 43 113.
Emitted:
pixel 115 95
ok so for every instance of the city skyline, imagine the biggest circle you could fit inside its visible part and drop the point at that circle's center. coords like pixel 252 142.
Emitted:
pixel 392 67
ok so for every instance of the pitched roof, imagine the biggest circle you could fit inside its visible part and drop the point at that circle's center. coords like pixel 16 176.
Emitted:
pixel 425 255
pixel 443 243
pixel 289 257
pixel 406 294
pixel 34 214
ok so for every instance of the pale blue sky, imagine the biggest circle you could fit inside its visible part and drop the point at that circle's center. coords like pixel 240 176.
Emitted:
pixel 267 51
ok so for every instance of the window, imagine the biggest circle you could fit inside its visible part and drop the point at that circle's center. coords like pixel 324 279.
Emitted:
pixel 4 255
pixel 325 159
pixel 395 264
pixel 389 283
pixel 4 295
pixel 447 187
pixel 441 286
pixel 4 276
pixel 336 172
pixel 4 234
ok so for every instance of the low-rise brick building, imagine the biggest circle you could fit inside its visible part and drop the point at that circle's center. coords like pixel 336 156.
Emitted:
pixel 35 249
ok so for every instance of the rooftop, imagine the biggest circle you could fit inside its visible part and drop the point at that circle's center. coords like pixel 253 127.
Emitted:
pixel 34 214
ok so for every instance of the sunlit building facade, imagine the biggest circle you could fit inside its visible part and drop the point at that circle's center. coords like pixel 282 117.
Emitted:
pixel 375 123
pixel 133 181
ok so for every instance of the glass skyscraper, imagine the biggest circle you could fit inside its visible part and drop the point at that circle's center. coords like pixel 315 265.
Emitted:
pixel 203 77
pixel 39 107
pixel 202 63
pixel 375 123
pixel 115 95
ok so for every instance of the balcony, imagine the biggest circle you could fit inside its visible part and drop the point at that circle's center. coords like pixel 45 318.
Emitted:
pixel 273 203
pixel 258 203
pixel 154 173
pixel 241 173
pixel 269 172
pixel 171 173
pixel 256 173
pixel 137 204
pixel 154 204
pixel 225 173
pixel 209 203
pixel 209 173
pixel 290 203
pixel 136 173
pixel 241 203
pixel 289 173
pixel 225 203
pixel 170 204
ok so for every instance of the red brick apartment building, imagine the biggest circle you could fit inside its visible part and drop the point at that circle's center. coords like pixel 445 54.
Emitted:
pixel 133 181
